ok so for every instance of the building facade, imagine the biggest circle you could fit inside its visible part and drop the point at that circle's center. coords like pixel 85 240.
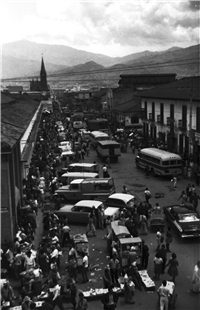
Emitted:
pixel 171 114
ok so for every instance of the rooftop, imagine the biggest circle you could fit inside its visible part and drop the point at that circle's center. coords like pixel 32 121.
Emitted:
pixel 16 114
pixel 181 89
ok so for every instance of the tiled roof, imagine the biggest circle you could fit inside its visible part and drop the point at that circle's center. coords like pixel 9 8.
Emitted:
pixel 16 114
pixel 178 90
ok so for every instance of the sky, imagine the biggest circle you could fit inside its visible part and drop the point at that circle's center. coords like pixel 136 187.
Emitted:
pixel 113 28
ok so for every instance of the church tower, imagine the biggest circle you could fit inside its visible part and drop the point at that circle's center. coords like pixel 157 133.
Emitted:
pixel 43 77
pixel 42 84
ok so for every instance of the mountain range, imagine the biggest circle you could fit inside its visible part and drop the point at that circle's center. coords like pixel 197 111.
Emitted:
pixel 23 59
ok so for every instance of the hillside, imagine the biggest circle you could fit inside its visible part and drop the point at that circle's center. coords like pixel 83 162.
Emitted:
pixel 23 59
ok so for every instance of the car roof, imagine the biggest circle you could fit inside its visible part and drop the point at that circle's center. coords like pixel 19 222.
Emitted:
pixel 89 203
pixel 65 208
pixel 121 196
pixel 82 164
pixel 80 174
pixel 183 209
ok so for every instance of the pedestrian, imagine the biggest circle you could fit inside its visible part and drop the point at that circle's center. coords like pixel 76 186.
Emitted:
pixel 168 239
pixel 143 224
pixel 173 267
pixel 82 302
pixel 54 295
pixel 108 225
pixel 189 192
pixel 101 217
pixel 129 289
pixel 145 255
pixel 164 295
pixel 90 226
pixel 196 278
pixel 183 198
pixel 133 256
pixel 147 194
pixel 105 171
pixel 107 280
pixel 198 177
pixel 195 200
pixel 124 190
pixel 114 267
pixel 157 266
pixel 163 254
pixel 174 181
pixel 108 162
pixel 73 293
pixel 110 299
pixel 158 240
pixel 85 268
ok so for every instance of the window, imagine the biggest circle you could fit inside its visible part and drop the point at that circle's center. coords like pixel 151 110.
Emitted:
pixel 153 111
pixel 166 163
pixel 198 119
pixel 172 162
pixel 161 113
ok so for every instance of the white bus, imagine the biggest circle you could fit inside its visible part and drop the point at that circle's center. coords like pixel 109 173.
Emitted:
pixel 159 162
pixel 96 136
pixel 108 148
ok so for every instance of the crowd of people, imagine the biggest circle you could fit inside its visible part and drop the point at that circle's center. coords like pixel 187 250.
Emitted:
pixel 39 269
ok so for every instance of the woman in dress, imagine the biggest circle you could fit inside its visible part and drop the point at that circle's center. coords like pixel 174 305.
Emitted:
pixel 196 278
pixel 173 267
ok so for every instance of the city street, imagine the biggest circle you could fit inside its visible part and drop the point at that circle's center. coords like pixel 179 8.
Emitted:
pixel 188 251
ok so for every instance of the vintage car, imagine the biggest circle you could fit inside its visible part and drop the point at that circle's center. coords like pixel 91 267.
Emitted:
pixel 65 146
pixel 122 201
pixel 185 219
pixel 80 212
pixel 157 219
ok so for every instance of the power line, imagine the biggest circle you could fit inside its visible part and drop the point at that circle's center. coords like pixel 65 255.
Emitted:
pixel 190 61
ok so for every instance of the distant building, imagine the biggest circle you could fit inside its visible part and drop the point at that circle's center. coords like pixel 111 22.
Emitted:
pixel 138 81
pixel 42 84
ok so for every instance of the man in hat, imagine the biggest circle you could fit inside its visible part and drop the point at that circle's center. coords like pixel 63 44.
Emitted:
pixel 132 255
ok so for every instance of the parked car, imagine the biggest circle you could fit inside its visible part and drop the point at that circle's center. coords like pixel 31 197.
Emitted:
pixel 122 201
pixel 65 146
pixel 185 219
pixel 79 213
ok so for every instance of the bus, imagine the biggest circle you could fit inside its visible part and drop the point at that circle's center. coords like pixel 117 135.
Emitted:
pixel 77 121
pixel 159 162
pixel 108 149
pixel 99 124
pixel 96 136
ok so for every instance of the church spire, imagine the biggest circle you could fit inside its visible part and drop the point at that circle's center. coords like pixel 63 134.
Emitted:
pixel 43 76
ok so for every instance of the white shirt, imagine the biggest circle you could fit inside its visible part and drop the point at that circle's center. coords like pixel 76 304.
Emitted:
pixel 85 261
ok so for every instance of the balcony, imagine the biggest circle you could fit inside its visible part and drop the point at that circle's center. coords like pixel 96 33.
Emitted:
pixel 170 121
pixel 182 125
pixel 158 119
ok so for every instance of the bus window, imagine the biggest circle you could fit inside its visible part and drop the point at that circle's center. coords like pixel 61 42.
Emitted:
pixel 172 162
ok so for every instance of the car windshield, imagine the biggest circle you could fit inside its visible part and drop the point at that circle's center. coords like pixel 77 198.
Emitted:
pixel 188 218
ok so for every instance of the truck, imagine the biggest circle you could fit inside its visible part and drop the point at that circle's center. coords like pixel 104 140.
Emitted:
pixel 86 189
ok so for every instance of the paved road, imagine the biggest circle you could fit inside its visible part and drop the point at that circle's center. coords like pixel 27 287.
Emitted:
pixel 188 251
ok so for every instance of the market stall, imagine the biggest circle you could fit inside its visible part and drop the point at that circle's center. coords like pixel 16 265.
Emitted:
pixel 147 281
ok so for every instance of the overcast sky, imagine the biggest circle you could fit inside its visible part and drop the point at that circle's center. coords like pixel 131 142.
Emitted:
pixel 113 28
